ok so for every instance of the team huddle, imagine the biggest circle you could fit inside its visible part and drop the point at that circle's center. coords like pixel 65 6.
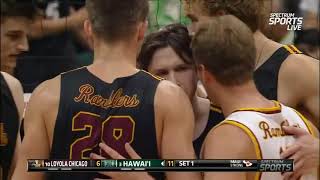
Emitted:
pixel 226 92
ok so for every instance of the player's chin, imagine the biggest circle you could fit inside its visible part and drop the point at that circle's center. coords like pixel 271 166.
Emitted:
pixel 12 62
pixel 9 58
pixel 8 65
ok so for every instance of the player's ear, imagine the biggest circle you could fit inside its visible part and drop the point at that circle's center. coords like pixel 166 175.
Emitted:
pixel 88 33
pixel 142 30
pixel 204 75
pixel 87 28
pixel 201 72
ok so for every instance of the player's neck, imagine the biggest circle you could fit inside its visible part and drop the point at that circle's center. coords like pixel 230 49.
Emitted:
pixel 244 96
pixel 111 62
pixel 118 54
pixel 265 47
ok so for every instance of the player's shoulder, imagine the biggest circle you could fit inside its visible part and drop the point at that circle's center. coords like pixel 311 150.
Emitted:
pixel 226 136
pixel 298 70
pixel 13 83
pixel 229 130
pixel 168 90
pixel 48 90
pixel 169 96
pixel 300 63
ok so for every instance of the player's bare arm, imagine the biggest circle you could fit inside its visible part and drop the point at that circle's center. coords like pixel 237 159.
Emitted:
pixel 173 107
pixel 40 112
pixel 17 93
pixel 228 142
pixel 299 85
pixel 43 27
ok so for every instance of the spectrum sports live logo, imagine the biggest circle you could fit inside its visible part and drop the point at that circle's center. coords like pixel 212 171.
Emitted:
pixel 289 19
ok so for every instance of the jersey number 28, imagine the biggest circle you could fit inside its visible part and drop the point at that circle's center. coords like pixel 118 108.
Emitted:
pixel 115 131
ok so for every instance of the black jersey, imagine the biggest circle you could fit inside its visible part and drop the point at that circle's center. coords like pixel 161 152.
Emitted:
pixel 215 117
pixel 9 126
pixel 266 76
pixel 93 111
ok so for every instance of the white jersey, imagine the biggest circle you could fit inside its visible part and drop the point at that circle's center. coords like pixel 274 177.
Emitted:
pixel 264 128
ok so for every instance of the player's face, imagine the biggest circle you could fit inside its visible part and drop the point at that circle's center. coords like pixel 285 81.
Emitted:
pixel 13 41
pixel 167 64
pixel 194 12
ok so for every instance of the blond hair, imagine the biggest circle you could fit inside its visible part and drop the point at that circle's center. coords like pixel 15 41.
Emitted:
pixel 251 12
pixel 225 46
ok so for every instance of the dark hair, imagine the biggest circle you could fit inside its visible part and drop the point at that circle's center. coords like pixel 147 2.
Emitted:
pixel 18 8
pixel 225 46
pixel 175 36
pixel 115 20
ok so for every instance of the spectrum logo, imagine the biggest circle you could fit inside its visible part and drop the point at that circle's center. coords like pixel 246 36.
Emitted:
pixel 293 23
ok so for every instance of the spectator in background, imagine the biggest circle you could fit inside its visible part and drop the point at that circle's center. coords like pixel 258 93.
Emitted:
pixel 52 48
pixel 308 42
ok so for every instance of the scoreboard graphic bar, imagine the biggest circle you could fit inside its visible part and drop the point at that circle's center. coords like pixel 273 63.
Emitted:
pixel 232 165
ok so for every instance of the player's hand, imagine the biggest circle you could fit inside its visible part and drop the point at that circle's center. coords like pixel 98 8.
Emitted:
pixel 304 152
pixel 115 155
